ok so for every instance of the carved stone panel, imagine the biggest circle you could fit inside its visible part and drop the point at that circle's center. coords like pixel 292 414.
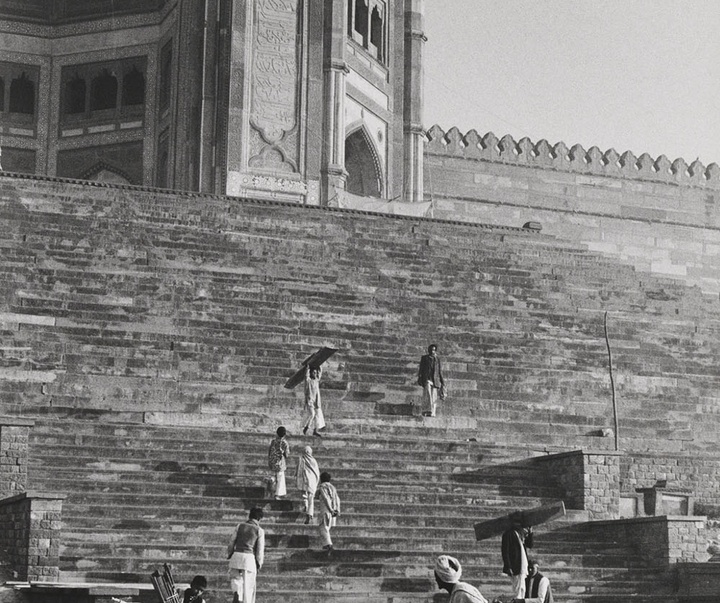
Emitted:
pixel 267 99
pixel 275 81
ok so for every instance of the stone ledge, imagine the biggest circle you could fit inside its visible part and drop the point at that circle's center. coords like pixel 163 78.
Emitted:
pixel 32 495
pixel 271 202
pixel 16 422
pixel 570 453
pixel 652 519
pixel 92 588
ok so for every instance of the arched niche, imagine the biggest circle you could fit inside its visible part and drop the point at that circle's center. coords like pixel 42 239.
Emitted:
pixel 362 163
pixel 103 172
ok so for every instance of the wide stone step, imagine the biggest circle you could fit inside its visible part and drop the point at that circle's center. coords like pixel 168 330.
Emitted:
pixel 371 581
pixel 112 457
pixel 107 517
pixel 103 515
pixel 335 449
pixel 353 493
pixel 347 480
pixel 207 544
pixel 419 439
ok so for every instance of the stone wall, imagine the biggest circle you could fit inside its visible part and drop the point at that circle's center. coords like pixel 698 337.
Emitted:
pixel 13 455
pixel 30 535
pixel 659 541
pixel 696 580
pixel 662 217
pixel 697 474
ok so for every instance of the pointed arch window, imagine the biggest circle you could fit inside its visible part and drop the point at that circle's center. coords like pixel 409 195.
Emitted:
pixel 363 165
pixel 22 95
pixel 103 91
pixel 75 95
pixel 133 91
pixel 377 21
pixel 367 25
pixel 361 21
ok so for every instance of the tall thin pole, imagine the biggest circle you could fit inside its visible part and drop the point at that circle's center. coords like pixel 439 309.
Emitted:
pixel 612 384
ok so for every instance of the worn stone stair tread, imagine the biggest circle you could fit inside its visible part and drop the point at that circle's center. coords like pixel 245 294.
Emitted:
pixel 101 459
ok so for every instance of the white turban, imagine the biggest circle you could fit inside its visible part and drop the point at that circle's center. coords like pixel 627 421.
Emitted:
pixel 448 569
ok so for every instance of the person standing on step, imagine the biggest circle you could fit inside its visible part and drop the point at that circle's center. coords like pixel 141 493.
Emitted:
pixel 515 543
pixel 308 476
pixel 277 461
pixel 537 586
pixel 447 576
pixel 329 509
pixel 312 400
pixel 430 378
pixel 246 553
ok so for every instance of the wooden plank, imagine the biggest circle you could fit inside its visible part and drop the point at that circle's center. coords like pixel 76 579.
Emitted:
pixel 315 359
pixel 528 517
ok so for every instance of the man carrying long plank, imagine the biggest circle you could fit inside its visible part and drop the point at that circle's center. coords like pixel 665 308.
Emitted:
pixel 514 555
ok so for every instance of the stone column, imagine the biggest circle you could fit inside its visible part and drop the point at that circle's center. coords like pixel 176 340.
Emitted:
pixel 414 133
pixel 334 175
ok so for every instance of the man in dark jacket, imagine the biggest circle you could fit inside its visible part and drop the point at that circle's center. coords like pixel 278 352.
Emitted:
pixel 537 586
pixel 430 378
pixel 514 555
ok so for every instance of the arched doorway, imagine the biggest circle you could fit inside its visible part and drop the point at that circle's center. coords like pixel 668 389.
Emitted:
pixel 361 163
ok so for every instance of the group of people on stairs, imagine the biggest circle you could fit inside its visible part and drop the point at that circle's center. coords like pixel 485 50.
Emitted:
pixel 247 546
pixel 246 550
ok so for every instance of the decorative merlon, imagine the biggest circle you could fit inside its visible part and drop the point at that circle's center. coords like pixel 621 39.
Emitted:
pixel 593 161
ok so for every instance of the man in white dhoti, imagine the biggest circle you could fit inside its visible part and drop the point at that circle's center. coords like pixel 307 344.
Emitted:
pixel 329 509
pixel 246 553
pixel 277 461
pixel 315 416
pixel 308 476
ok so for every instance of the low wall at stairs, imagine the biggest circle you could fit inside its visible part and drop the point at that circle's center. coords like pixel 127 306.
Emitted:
pixel 663 217
pixel 698 581
pixel 30 535
pixel 130 304
pixel 591 480
pixel 659 541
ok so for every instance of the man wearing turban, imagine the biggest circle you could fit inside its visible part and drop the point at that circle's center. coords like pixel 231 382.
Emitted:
pixel 447 576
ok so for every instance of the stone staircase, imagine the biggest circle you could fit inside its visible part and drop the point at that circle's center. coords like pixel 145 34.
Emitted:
pixel 149 335
pixel 187 309
pixel 141 495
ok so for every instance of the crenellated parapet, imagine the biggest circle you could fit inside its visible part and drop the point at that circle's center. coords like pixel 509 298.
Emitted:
pixel 592 161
